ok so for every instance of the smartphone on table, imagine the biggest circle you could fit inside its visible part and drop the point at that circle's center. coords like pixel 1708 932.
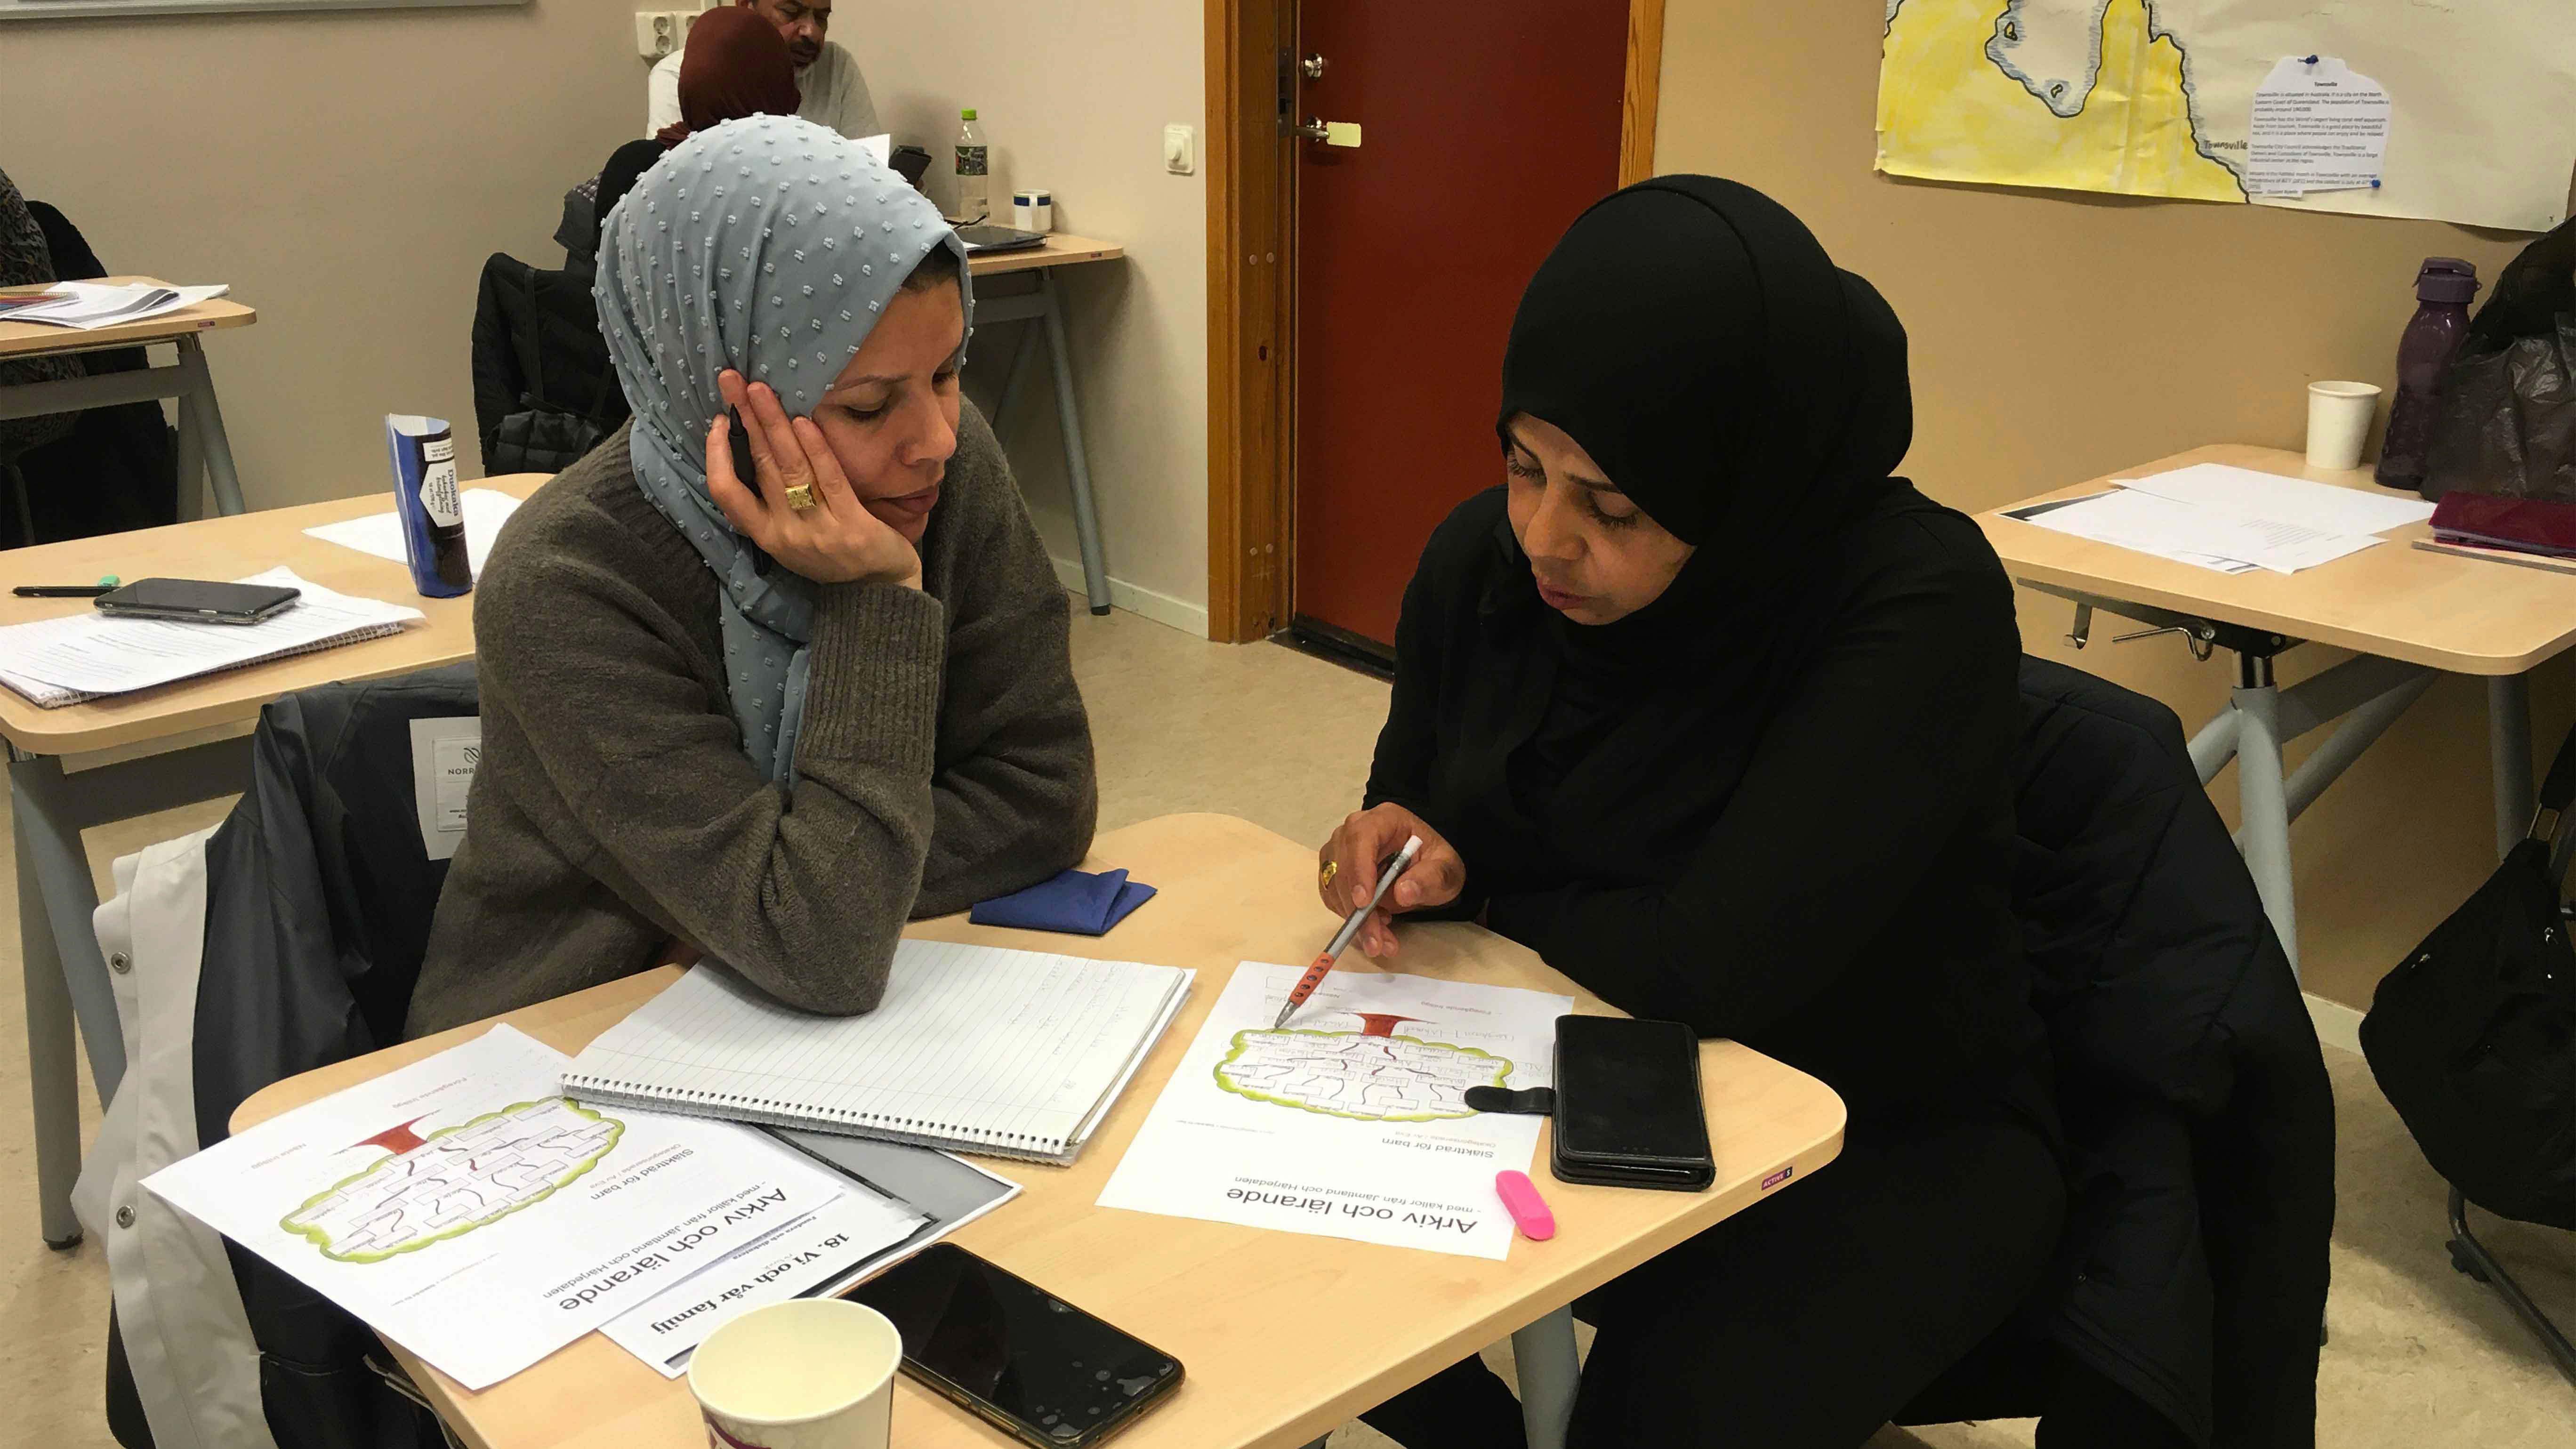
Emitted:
pixel 1009 1352
pixel 197 601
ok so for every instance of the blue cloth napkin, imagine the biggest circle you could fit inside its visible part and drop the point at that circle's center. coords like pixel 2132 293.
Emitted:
pixel 1076 902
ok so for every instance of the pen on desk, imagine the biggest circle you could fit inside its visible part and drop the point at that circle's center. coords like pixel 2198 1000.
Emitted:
pixel 106 585
pixel 1323 966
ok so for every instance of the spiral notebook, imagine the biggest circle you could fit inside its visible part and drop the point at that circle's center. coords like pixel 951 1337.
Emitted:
pixel 88 655
pixel 974 1048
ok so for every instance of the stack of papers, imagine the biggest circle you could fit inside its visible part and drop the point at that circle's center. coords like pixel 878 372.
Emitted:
pixel 55 662
pixel 2231 520
pixel 85 305
pixel 381 534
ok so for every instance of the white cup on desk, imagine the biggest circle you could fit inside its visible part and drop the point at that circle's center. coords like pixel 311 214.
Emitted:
pixel 1033 209
pixel 2339 415
pixel 810 1373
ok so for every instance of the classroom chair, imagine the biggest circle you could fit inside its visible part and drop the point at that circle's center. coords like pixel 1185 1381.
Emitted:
pixel 284 939
pixel 2199 1121
pixel 118 467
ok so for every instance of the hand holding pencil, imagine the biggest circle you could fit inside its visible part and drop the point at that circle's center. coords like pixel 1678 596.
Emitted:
pixel 1348 867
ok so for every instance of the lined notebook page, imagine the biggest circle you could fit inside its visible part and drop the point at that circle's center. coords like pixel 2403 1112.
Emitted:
pixel 975 1044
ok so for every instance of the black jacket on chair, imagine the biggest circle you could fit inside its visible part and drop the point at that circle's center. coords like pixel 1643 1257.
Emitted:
pixel 318 898
pixel 537 348
pixel 2199 1121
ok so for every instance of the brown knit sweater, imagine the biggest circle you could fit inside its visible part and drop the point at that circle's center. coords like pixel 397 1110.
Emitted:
pixel 944 756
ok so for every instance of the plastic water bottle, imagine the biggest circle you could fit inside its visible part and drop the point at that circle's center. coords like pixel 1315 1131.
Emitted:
pixel 2424 352
pixel 974 199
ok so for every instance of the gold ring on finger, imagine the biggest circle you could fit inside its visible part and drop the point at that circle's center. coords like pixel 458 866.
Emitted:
pixel 1331 868
pixel 799 496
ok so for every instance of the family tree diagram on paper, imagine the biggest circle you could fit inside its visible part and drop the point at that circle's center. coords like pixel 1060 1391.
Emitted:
pixel 2157 97
pixel 1368 1075
pixel 455 1180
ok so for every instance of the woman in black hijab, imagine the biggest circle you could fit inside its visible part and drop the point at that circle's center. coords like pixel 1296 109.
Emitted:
pixel 1717 716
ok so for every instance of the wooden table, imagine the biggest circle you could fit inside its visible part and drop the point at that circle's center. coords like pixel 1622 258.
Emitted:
pixel 1045 306
pixel 1365 1320
pixel 65 977
pixel 2409 613
pixel 204 450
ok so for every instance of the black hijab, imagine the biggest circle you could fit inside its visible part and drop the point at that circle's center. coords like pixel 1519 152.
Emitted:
pixel 1751 397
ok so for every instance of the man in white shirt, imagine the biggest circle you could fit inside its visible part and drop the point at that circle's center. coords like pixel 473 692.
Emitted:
pixel 834 92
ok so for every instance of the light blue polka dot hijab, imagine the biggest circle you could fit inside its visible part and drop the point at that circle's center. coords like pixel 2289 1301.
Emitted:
pixel 768 245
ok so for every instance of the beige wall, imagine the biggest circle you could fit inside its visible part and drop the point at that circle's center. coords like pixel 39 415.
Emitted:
pixel 347 173
pixel 1074 97
pixel 2059 336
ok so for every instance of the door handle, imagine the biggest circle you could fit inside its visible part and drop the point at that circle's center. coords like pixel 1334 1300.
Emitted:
pixel 1313 66
pixel 1331 133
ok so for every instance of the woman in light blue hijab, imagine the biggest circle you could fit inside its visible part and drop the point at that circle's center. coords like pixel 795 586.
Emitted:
pixel 768 710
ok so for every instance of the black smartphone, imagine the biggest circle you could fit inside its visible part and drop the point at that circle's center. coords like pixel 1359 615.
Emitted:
pixel 1628 1111
pixel 746 470
pixel 1013 1354
pixel 197 601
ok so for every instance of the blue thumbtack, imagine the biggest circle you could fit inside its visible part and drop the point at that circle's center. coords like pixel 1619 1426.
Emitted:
pixel 2311 60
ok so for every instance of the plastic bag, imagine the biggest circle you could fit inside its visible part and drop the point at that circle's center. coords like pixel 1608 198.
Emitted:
pixel 2508 411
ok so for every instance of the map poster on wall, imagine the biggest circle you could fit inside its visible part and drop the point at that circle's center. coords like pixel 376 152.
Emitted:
pixel 467 1209
pixel 2159 98
pixel 1351 1121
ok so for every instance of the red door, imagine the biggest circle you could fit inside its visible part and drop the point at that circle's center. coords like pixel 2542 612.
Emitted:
pixel 1486 126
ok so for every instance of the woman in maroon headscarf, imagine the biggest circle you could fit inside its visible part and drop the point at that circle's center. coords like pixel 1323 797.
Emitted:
pixel 736 65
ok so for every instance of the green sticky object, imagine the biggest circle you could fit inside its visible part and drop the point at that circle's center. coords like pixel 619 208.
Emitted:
pixel 107 581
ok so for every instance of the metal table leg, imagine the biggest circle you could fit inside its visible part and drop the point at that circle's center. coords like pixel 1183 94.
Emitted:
pixel 52 1079
pixel 1549 1368
pixel 2509 755
pixel 192 464
pixel 49 846
pixel 1086 522
pixel 2262 800
pixel 198 408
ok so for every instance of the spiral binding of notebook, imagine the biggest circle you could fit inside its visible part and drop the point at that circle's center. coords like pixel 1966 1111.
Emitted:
pixel 973 1049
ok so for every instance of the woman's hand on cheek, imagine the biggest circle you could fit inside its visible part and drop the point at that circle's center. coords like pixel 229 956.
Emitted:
pixel 837 540
pixel 1359 852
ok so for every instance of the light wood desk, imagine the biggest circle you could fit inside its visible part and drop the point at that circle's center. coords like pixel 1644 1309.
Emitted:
pixel 203 447
pixel 1044 305
pixel 1364 1320
pixel 65 977
pixel 2408 612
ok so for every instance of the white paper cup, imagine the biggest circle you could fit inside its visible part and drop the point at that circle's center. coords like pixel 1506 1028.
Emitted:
pixel 1033 209
pixel 2339 416
pixel 810 1373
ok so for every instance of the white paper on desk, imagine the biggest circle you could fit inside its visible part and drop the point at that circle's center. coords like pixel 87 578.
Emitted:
pixel 87 305
pixel 557 1217
pixel 2324 507
pixel 2207 538
pixel 94 653
pixel 1349 1123
pixel 380 534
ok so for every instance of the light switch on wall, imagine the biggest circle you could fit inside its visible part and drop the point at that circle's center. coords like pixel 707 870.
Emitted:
pixel 1180 149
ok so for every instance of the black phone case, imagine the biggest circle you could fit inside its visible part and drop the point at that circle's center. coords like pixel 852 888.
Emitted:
pixel 1628 1107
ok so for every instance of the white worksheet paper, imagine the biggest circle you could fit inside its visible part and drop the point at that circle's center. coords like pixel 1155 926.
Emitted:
pixel 380 534
pixel 95 653
pixel 2317 126
pixel 2305 503
pixel 1349 1123
pixel 809 1252
pixel 2210 538
pixel 465 1208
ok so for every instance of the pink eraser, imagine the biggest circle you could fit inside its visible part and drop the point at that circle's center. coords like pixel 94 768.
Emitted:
pixel 1521 1200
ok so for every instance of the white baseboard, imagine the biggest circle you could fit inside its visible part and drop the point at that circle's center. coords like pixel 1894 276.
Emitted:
pixel 2338 1025
pixel 1181 614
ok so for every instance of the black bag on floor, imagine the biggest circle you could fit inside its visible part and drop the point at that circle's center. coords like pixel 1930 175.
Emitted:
pixel 2473 1036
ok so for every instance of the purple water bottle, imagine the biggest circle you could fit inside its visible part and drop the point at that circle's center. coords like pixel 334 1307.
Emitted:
pixel 2442 292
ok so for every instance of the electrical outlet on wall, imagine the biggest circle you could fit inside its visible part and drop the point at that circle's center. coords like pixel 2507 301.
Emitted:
pixel 657 33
